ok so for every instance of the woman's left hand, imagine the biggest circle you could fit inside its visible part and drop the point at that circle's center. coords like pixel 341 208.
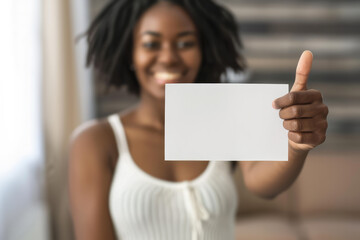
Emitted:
pixel 303 110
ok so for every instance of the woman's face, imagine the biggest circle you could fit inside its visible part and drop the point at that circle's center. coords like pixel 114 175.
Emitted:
pixel 166 49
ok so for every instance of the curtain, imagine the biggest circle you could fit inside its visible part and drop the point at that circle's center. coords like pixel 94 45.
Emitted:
pixel 23 211
pixel 67 101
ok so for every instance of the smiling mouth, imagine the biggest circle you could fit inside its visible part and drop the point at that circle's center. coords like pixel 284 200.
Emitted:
pixel 167 77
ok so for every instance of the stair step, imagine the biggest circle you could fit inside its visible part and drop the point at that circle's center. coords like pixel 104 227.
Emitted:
pixel 292 45
pixel 277 63
pixel 297 12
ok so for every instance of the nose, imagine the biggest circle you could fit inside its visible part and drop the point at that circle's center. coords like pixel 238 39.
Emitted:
pixel 168 55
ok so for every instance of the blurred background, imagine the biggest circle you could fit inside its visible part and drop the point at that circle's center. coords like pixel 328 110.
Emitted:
pixel 46 91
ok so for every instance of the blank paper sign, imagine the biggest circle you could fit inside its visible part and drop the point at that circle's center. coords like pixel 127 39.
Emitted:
pixel 224 122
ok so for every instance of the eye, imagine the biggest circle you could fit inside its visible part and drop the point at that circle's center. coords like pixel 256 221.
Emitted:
pixel 185 44
pixel 151 45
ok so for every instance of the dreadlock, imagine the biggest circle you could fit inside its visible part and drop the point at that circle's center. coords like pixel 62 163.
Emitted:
pixel 110 41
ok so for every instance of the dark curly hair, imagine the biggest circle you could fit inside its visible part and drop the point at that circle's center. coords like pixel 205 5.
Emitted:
pixel 110 40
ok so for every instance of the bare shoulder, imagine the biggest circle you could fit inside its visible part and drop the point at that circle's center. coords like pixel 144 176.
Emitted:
pixel 90 175
pixel 93 139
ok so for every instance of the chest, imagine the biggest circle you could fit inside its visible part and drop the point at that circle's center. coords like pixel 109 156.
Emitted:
pixel 147 150
pixel 136 200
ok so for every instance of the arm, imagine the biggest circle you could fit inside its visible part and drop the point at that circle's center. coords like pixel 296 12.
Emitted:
pixel 89 183
pixel 304 115
pixel 268 179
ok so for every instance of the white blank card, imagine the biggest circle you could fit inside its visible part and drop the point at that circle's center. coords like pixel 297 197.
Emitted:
pixel 224 122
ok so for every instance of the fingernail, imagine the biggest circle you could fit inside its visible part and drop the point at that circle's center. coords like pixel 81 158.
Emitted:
pixel 309 52
pixel 273 105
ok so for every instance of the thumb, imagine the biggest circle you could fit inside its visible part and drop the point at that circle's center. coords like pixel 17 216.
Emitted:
pixel 302 71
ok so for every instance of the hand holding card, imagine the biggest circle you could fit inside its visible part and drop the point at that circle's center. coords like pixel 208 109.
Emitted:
pixel 303 110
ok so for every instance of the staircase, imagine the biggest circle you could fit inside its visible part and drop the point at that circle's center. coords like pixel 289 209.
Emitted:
pixel 275 33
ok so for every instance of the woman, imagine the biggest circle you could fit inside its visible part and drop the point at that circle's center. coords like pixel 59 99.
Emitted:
pixel 120 185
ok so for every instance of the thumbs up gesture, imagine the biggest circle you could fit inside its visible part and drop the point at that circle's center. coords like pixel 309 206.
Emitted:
pixel 303 110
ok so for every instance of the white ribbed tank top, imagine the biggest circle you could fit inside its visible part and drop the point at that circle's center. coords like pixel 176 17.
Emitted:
pixel 146 207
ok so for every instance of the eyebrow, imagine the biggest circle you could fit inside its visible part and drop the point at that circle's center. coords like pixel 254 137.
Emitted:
pixel 181 34
pixel 156 34
pixel 186 33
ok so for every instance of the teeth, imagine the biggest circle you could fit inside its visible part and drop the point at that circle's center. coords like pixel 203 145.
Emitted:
pixel 166 76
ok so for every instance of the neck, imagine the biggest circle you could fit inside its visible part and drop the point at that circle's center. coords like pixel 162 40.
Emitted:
pixel 151 111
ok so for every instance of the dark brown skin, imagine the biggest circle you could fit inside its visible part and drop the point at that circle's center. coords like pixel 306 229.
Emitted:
pixel 304 116
pixel 165 40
